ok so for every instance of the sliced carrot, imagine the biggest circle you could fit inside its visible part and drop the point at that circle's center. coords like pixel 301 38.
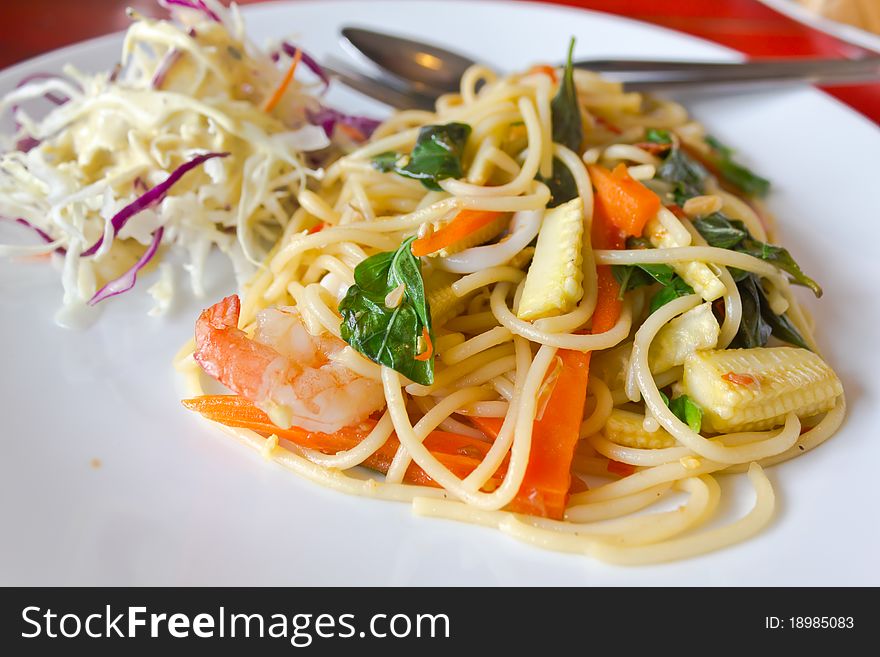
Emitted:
pixel 317 228
pixel 546 69
pixel 620 469
pixel 460 454
pixel 351 132
pixel 490 426
pixel 545 486
pixel 465 223
pixel 626 202
pixel 606 235
pixel 577 485
pixel 677 210
pixel 285 82
pixel 607 124
pixel 429 347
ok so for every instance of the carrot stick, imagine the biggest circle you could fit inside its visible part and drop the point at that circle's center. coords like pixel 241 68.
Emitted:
pixel 460 454
pixel 545 486
pixel 626 202
pixel 285 82
pixel 546 69
pixel 465 223
pixel 429 347
pixel 605 235
pixel 490 426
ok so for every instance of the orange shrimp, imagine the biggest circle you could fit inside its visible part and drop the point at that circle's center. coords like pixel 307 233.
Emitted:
pixel 285 370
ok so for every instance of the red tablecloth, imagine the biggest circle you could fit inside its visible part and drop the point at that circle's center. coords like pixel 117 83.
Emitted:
pixel 30 27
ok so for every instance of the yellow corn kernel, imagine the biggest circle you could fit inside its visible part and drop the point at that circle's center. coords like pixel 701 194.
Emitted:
pixel 553 284
pixel 696 329
pixel 754 389
pixel 627 429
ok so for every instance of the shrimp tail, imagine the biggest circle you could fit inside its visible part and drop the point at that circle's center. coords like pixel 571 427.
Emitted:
pixel 227 354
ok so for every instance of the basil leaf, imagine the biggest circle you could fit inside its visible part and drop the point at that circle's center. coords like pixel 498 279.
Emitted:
pixel 386 161
pixel 677 288
pixel 389 336
pixel 736 174
pixel 435 156
pixel 687 411
pixel 781 258
pixel 632 276
pixel 781 327
pixel 629 277
pixel 719 231
pixel 565 112
pixel 759 322
pixel 726 233
pixel 684 408
pixel 658 136
pixel 753 330
pixel 562 186
pixel 685 173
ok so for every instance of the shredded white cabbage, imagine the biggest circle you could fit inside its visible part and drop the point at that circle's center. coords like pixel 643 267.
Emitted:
pixel 185 87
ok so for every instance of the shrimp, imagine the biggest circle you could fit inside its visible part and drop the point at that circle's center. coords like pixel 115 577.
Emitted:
pixel 286 371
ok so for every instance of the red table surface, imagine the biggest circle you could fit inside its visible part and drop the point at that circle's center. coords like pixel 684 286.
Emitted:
pixel 31 27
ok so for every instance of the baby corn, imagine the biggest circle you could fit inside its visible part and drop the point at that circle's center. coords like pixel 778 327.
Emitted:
pixel 553 284
pixel 627 430
pixel 754 389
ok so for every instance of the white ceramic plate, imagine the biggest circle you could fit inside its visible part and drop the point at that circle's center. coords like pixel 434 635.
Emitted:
pixel 176 502
pixel 843 31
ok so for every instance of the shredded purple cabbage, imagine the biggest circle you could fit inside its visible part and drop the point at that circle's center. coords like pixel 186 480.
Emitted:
pixel 127 280
pixel 150 198
pixel 198 5
pixel 169 60
pixel 51 97
pixel 327 118
pixel 312 64
pixel 39 231
pixel 28 142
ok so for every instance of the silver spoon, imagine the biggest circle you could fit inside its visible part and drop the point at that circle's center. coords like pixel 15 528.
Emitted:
pixel 431 70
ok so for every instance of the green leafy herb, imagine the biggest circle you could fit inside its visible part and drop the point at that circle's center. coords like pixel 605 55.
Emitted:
pixel 759 321
pixel 630 277
pixel 658 136
pixel 781 327
pixel 677 288
pixel 736 174
pixel 564 110
pixel 389 336
pixel 753 330
pixel 562 186
pixel 686 174
pixel 720 231
pixel 726 233
pixel 686 410
pixel 781 258
pixel 436 155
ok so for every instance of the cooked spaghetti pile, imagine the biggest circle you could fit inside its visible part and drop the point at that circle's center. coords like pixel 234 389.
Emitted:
pixel 545 307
